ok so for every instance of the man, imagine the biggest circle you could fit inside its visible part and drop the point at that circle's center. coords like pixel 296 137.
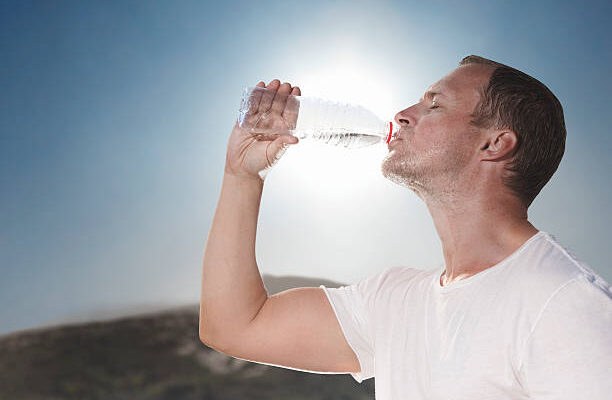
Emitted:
pixel 510 315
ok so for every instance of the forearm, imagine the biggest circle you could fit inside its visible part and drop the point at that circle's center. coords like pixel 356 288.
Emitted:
pixel 232 288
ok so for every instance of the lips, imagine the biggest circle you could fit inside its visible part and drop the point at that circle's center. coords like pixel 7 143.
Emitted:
pixel 397 139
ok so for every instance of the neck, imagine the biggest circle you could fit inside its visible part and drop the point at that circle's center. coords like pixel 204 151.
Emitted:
pixel 477 232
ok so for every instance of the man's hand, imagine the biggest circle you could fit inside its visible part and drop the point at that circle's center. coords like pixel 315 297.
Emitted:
pixel 250 153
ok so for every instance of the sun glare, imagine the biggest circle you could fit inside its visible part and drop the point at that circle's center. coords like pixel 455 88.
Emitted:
pixel 318 166
pixel 350 81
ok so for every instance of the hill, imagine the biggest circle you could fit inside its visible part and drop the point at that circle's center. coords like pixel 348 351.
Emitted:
pixel 153 356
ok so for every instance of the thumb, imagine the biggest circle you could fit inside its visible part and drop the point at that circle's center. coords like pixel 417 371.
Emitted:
pixel 288 139
pixel 277 148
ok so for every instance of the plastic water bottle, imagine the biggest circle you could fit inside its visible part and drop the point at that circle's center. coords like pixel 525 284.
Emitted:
pixel 331 122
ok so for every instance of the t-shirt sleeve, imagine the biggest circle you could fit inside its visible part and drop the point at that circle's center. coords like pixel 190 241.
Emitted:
pixel 569 353
pixel 353 306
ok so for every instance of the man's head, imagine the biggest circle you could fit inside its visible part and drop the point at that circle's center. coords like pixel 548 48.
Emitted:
pixel 482 124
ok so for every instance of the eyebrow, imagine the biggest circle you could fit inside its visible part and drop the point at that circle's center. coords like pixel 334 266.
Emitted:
pixel 431 95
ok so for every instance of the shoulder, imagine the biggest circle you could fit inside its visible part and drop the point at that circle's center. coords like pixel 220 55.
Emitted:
pixel 399 282
pixel 397 276
pixel 404 277
pixel 384 285
pixel 547 265
pixel 405 274
pixel 546 277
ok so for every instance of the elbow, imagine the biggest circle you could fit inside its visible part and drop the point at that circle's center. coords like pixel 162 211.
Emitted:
pixel 214 344
pixel 203 338
pixel 204 332
pixel 206 326
pixel 212 337
pixel 208 336
pixel 208 341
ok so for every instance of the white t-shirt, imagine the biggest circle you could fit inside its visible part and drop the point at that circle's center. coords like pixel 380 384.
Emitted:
pixel 537 325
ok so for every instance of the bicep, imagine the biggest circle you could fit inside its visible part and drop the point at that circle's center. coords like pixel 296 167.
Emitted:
pixel 297 329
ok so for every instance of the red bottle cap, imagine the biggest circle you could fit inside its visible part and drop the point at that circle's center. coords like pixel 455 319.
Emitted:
pixel 390 132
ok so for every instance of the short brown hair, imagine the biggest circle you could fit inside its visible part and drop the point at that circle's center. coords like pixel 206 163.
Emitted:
pixel 516 101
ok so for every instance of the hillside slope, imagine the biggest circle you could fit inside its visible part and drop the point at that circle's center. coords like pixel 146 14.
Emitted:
pixel 154 356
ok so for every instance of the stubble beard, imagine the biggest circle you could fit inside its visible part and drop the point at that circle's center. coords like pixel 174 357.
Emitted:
pixel 406 169
pixel 428 174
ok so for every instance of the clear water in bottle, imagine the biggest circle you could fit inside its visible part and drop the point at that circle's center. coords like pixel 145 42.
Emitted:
pixel 331 122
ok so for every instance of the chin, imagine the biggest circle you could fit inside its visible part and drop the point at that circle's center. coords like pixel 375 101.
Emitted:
pixel 396 171
pixel 404 172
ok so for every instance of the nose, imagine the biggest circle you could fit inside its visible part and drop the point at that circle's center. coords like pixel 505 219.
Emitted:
pixel 404 117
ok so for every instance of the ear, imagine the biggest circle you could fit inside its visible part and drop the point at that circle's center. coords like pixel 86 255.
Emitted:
pixel 498 145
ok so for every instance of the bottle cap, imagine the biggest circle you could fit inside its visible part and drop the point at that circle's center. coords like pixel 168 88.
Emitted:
pixel 392 132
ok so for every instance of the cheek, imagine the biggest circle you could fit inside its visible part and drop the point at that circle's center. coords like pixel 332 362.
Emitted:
pixel 428 133
pixel 440 131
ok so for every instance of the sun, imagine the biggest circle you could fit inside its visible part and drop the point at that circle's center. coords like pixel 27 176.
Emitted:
pixel 310 165
pixel 350 81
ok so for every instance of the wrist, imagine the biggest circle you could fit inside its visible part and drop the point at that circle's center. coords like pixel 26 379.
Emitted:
pixel 242 178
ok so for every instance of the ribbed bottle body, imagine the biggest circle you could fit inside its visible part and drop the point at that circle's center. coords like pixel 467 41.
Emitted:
pixel 331 122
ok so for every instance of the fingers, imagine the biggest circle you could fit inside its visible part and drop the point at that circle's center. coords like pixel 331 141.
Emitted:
pixel 292 106
pixel 280 99
pixel 268 96
pixel 255 98
pixel 276 148
pixel 277 99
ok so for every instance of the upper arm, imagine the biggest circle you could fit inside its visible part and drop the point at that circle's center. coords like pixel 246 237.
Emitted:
pixel 298 329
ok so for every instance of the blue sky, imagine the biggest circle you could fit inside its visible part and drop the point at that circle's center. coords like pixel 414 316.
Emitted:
pixel 115 118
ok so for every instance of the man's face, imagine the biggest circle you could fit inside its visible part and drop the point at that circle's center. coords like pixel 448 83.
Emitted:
pixel 436 141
